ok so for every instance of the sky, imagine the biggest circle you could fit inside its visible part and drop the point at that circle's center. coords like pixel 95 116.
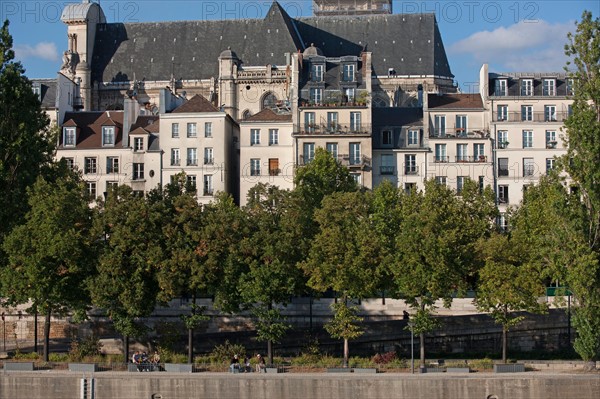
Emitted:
pixel 509 35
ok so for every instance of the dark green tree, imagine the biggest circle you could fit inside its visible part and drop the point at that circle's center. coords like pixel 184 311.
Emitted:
pixel 26 143
pixel 51 254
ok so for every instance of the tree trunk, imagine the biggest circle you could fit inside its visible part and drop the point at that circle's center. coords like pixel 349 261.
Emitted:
pixel 346 352
pixel 191 335
pixel 47 336
pixel 504 343
pixel 270 351
pixel 126 348
pixel 422 350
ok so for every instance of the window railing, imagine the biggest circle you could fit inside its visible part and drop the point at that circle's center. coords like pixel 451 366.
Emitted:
pixel 441 158
pixel 274 172
pixel 476 158
pixel 411 170
pixel 332 128
pixel 208 161
pixel 460 133
pixel 175 162
pixel 208 192
pixel 192 162
pixel 503 171
pixel 536 116
pixel 387 170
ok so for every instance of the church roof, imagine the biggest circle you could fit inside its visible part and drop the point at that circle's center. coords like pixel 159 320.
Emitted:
pixel 196 104
pixel 411 44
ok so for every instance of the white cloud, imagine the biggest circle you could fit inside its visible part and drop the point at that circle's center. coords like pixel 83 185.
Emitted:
pixel 524 46
pixel 43 50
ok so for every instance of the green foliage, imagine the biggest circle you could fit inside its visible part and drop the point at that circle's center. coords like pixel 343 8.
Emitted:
pixel 224 352
pixel 270 324
pixel 59 357
pixel 169 335
pixel 587 342
pixel 26 355
pixel 197 316
pixel 86 347
pixel 345 322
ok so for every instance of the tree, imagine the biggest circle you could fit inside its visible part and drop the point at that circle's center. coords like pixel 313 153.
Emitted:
pixel 270 254
pixel 344 257
pixel 507 283
pixel 50 256
pixel 581 163
pixel 434 242
pixel 126 286
pixel 26 142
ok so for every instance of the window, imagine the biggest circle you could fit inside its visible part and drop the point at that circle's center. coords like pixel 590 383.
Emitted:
pixel 208 185
pixel 349 94
pixel 175 130
pixel 348 73
pixel 569 109
pixel 91 189
pixel 274 167
pixel 528 167
pixel 387 164
pixel 208 156
pixel 69 136
pixel 90 165
pixel 108 136
pixel 355 121
pixel 273 136
pixel 461 125
pixel 207 129
pixel 502 222
pixel 308 152
pixel 309 122
pixel 413 137
pixel 408 187
pixel 410 164
pixel 386 137
pixel 549 87
pixel 439 125
pixel 332 121
pixel 175 157
pixel 316 95
pixel 191 130
pixel 442 180
pixel 527 87
pixel 112 165
pixel 357 178
pixel 479 152
pixel 138 171
pixel 355 157
pixel 254 167
pixel 269 101
pixel 462 153
pixel 503 194
pixel 70 162
pixel 503 167
pixel 37 90
pixel 254 136
pixel 502 114
pixel 551 139
pixel 526 113
pixel 332 148
pixel 500 87
pixel 502 138
pixel 440 153
pixel 192 157
pixel 460 183
pixel 527 138
pixel 570 87
pixel 549 164
pixel 191 181
pixel 138 144
pixel 550 113
pixel 481 183
pixel 316 72
pixel 111 186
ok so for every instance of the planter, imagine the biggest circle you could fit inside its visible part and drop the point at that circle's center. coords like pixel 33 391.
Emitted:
pixel 179 368
pixel 339 370
pixel 273 370
pixel 365 370
pixel 425 370
pixel 83 367
pixel 18 366
pixel 458 370
pixel 509 368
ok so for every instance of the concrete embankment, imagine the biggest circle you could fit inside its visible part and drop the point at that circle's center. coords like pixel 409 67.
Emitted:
pixel 113 385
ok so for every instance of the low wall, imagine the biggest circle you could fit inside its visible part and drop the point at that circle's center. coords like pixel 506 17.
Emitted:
pixel 305 386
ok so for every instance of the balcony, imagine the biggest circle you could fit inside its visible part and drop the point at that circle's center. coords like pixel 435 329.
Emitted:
pixel 411 170
pixel 459 133
pixel 387 170
pixel 441 159
pixel 192 162
pixel 175 162
pixel 345 159
pixel 333 104
pixel 209 161
pixel 208 192
pixel 333 128
pixel 470 159
pixel 551 144
pixel 503 171
pixel 537 116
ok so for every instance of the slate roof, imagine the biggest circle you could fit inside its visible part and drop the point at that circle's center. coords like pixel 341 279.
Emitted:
pixel 47 91
pixel 196 104
pixel 147 122
pixel 267 115
pixel 455 101
pixel 387 117
pixel 408 43
pixel 90 124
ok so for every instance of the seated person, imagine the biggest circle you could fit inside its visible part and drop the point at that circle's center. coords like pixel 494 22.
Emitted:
pixel 260 365
pixel 247 366
pixel 155 361
pixel 235 363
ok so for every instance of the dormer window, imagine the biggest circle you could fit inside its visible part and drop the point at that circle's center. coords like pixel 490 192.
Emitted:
pixel 138 144
pixel 527 87
pixel 108 136
pixel 500 87
pixel 348 72
pixel 316 72
pixel 37 90
pixel 549 88
pixel 69 135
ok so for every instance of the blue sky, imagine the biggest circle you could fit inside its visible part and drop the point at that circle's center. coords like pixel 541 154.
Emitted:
pixel 509 35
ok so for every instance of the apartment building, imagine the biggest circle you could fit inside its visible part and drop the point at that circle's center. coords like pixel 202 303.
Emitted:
pixel 266 151
pixel 527 111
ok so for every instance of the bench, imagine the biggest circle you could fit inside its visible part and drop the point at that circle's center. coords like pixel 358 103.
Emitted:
pixel 365 370
pixel 83 367
pixel 339 370
pixel 509 368
pixel 179 367
pixel 424 370
pixel 458 370
pixel 18 366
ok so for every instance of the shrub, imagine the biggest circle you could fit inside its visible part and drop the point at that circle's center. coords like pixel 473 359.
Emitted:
pixel 58 357
pixel 384 358
pixel 26 356
pixel 87 347
pixel 223 353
